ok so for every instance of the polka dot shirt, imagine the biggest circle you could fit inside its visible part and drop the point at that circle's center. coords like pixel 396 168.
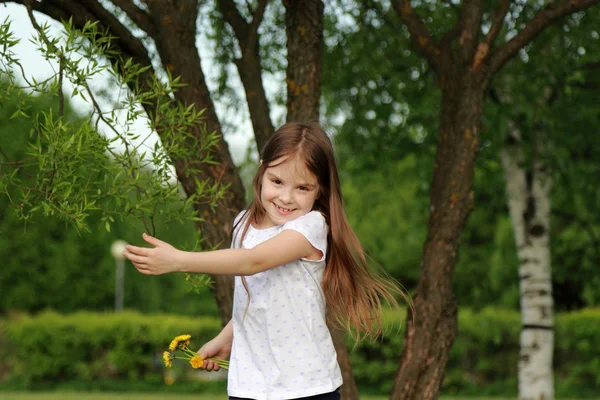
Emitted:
pixel 282 348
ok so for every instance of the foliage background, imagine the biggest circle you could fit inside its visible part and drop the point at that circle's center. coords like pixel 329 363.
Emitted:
pixel 383 119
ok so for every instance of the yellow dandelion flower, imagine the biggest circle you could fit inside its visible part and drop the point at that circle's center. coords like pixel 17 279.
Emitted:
pixel 184 341
pixel 178 339
pixel 167 359
pixel 197 362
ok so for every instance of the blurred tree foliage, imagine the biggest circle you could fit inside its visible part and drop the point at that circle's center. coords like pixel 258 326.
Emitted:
pixel 385 117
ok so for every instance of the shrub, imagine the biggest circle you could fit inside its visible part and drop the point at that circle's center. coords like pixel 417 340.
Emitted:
pixel 484 357
pixel 87 347
pixel 109 351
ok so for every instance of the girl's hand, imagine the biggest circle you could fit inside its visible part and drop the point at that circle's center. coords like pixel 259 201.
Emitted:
pixel 217 349
pixel 159 260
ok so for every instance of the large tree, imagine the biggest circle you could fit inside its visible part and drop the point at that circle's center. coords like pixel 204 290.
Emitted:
pixel 465 58
pixel 388 103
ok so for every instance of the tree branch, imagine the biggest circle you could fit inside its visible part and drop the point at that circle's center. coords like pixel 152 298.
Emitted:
pixel 497 22
pixel 257 17
pixel 234 18
pixel 61 10
pixel 418 32
pixel 246 32
pixel 483 49
pixel 249 66
pixel 536 26
pixel 471 14
pixel 133 45
pixel 137 15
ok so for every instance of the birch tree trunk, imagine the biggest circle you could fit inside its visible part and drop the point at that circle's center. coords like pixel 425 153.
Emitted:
pixel 529 204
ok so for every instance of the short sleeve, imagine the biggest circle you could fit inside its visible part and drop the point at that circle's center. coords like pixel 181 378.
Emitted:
pixel 314 228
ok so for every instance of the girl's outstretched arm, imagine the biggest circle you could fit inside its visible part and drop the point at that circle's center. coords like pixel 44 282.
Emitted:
pixel 163 258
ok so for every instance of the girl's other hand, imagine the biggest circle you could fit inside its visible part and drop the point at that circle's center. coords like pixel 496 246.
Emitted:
pixel 215 349
pixel 159 260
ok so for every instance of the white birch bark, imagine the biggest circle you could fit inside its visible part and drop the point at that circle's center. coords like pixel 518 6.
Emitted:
pixel 528 191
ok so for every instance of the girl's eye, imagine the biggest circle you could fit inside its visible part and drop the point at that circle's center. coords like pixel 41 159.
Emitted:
pixel 276 181
pixel 303 188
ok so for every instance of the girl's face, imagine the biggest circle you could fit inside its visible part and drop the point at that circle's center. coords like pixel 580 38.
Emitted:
pixel 288 191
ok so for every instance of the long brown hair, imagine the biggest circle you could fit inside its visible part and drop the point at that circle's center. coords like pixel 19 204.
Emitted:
pixel 353 291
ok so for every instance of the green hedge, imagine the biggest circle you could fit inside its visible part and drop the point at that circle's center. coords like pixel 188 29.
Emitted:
pixel 484 357
pixel 49 349
pixel 115 351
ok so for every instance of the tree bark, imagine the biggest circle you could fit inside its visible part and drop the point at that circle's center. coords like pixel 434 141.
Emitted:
pixel 304 28
pixel 528 192
pixel 431 330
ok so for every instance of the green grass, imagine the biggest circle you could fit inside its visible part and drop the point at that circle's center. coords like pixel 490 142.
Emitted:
pixel 124 396
pixel 160 396
pixel 104 396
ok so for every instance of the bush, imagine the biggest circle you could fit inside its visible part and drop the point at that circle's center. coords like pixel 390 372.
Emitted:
pixel 123 351
pixel 90 347
pixel 484 357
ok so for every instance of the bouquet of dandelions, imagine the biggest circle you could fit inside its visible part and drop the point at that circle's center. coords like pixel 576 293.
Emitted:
pixel 182 343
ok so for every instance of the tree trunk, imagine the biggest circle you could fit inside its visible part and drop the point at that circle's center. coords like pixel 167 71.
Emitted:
pixel 431 329
pixel 175 42
pixel 528 194
pixel 249 67
pixel 464 63
pixel 304 28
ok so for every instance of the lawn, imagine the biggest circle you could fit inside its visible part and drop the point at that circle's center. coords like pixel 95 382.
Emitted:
pixel 161 396
pixel 122 396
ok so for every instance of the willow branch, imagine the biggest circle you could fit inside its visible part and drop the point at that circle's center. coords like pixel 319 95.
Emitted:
pixel 61 95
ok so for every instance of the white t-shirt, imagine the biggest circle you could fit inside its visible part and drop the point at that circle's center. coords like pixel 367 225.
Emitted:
pixel 282 348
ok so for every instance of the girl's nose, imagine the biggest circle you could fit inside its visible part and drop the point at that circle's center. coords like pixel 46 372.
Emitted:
pixel 285 196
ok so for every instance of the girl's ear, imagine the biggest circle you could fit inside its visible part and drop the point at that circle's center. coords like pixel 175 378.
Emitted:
pixel 261 163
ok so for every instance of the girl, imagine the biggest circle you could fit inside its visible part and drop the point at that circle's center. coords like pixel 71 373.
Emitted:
pixel 298 266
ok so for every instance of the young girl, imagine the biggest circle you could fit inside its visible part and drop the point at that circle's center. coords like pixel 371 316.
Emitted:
pixel 298 266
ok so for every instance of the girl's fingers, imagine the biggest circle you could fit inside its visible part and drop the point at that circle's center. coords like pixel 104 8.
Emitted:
pixel 210 365
pixel 143 269
pixel 140 251
pixel 134 258
pixel 151 239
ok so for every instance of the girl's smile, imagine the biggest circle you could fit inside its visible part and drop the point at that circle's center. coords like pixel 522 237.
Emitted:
pixel 283 211
pixel 288 191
